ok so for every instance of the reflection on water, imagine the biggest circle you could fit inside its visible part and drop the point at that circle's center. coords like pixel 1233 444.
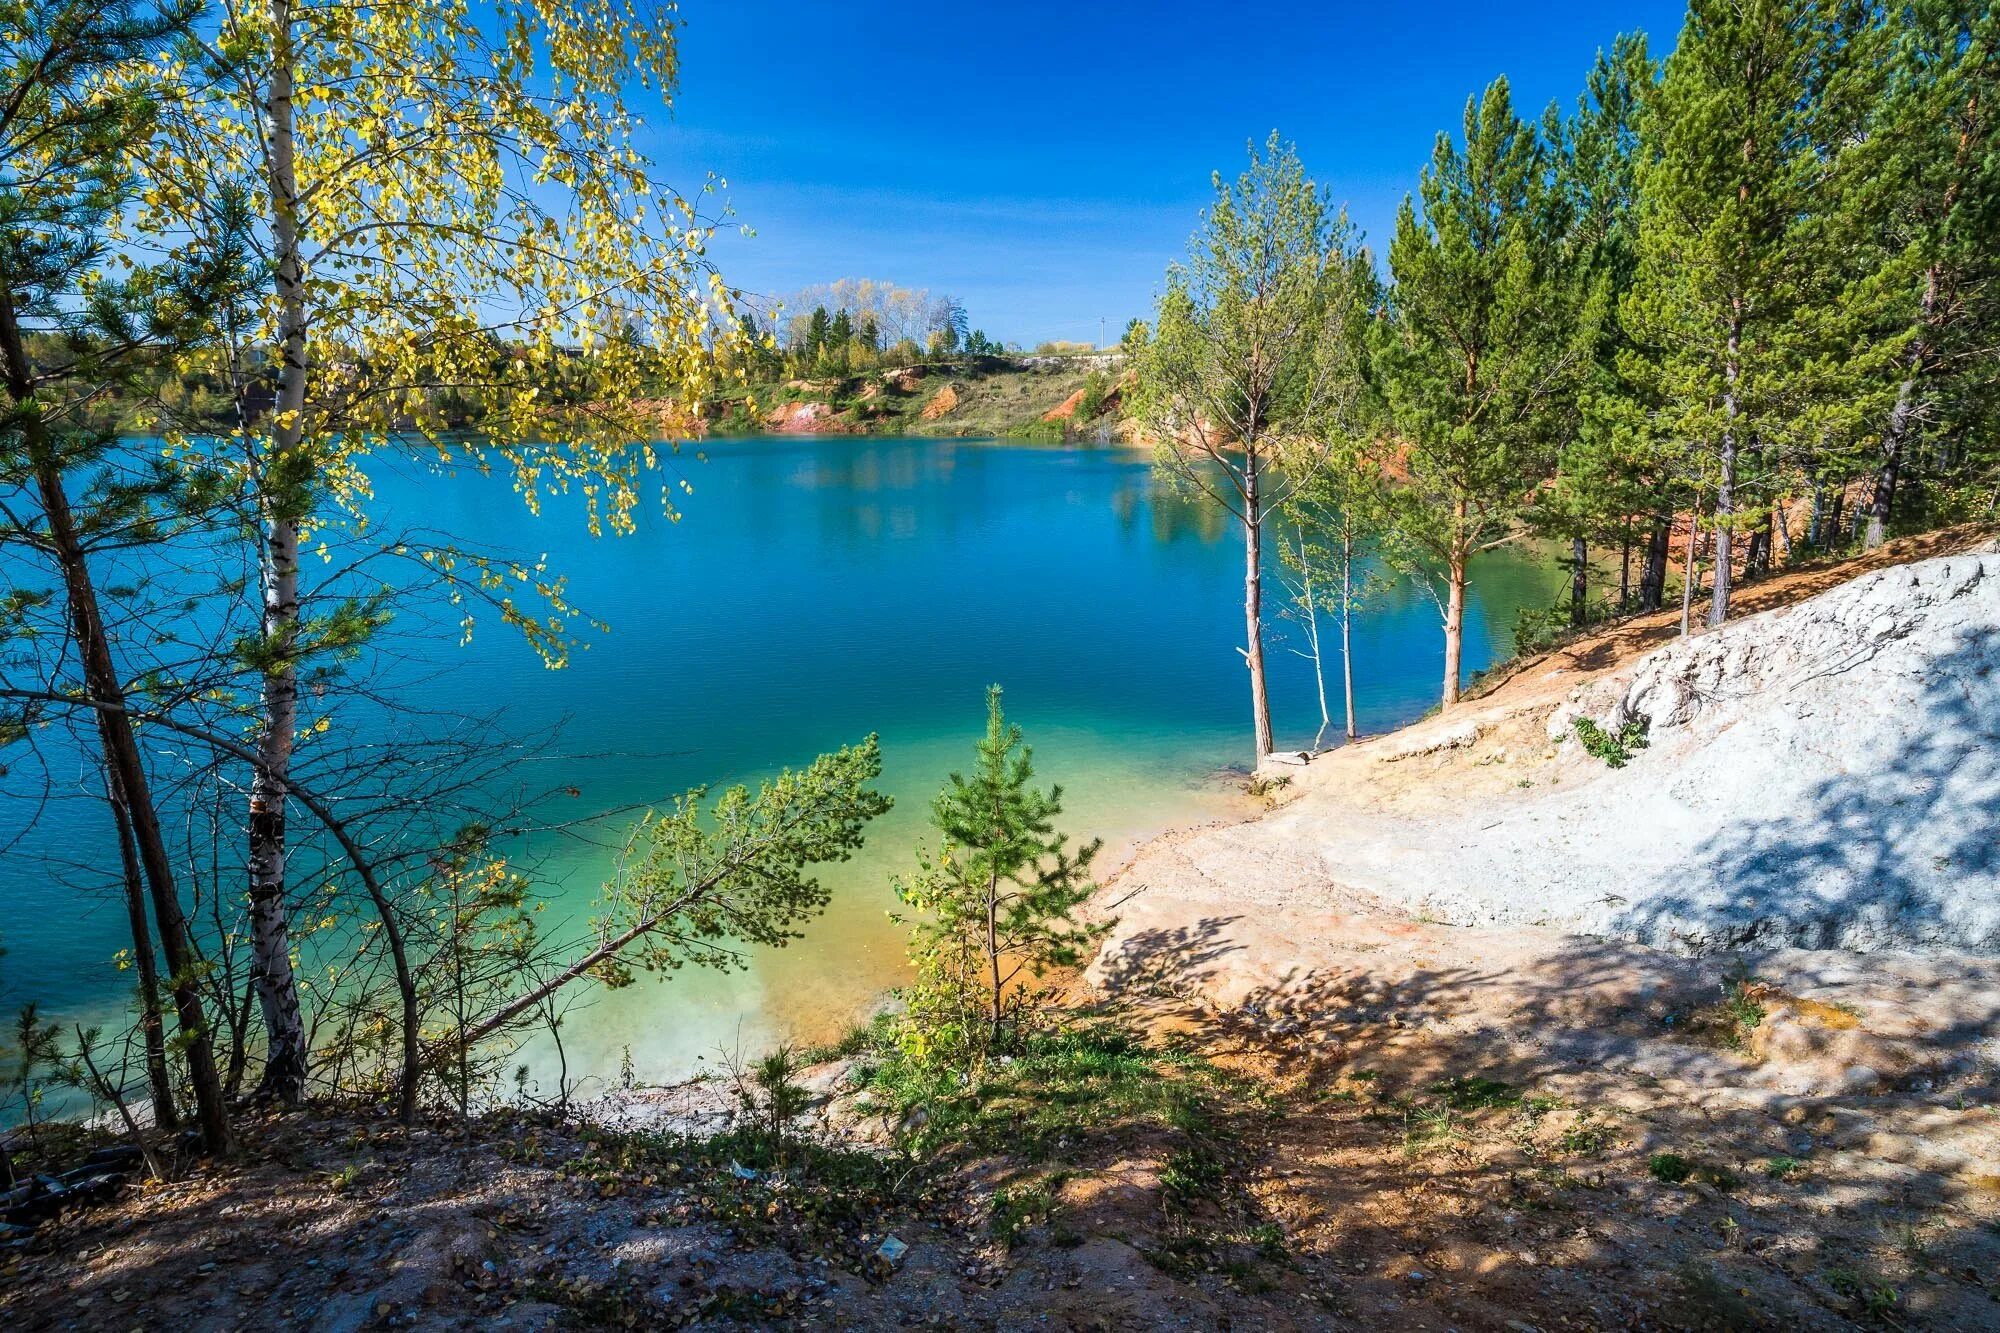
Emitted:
pixel 816 591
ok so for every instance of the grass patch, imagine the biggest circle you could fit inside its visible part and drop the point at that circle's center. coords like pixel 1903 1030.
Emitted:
pixel 1731 1022
pixel 1783 1168
pixel 1194 1175
pixel 1018 1207
pixel 1670 1168
pixel 1588 1137
pixel 1058 1090
pixel 1870 1296
pixel 1426 1128
pixel 1476 1093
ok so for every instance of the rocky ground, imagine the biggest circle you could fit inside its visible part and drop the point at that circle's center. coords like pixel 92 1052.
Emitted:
pixel 1825 775
pixel 1288 1096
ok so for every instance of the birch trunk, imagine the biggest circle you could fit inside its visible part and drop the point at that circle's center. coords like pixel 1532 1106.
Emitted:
pixel 1346 616
pixel 1454 611
pixel 270 932
pixel 1311 602
pixel 1253 604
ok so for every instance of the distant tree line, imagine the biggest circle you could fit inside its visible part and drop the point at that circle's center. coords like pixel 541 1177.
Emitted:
pixel 854 326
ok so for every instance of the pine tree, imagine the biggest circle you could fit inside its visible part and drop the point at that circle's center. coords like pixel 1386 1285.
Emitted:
pixel 997 899
pixel 1730 261
pixel 74 101
pixel 1925 179
pixel 1602 480
pixel 815 349
pixel 839 334
pixel 1495 327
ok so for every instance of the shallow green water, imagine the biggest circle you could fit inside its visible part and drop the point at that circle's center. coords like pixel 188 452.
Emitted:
pixel 817 590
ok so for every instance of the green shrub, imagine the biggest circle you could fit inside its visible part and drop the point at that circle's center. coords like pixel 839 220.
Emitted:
pixel 1095 389
pixel 1616 750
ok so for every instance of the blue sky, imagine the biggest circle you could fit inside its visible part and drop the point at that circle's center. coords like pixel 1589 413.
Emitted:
pixel 1045 162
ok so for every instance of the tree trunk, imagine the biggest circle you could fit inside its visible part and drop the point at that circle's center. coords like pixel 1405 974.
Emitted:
pixel 993 946
pixel 270 933
pixel 152 1028
pixel 1882 499
pixel 1579 588
pixel 1454 610
pixel 1253 605
pixel 1818 513
pixel 1346 616
pixel 115 733
pixel 1687 567
pixel 1312 638
pixel 1653 577
pixel 1725 491
pixel 1625 571
pixel 1833 517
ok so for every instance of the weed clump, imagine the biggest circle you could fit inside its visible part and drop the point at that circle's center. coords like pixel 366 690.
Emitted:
pixel 1614 748
pixel 1670 1168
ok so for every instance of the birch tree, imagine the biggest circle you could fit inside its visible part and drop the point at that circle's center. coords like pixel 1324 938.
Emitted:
pixel 1234 385
pixel 1335 558
pixel 449 201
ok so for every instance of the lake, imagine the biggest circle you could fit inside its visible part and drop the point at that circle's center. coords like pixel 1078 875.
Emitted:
pixel 814 591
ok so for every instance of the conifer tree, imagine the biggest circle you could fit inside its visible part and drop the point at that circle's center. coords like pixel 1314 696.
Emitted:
pixel 1925 179
pixel 1607 486
pixel 75 99
pixel 997 898
pixel 1731 261
pixel 1494 330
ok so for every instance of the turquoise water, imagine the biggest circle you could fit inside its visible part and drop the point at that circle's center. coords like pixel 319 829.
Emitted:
pixel 814 591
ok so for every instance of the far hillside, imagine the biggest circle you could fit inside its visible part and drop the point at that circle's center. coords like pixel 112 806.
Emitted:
pixel 1035 396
